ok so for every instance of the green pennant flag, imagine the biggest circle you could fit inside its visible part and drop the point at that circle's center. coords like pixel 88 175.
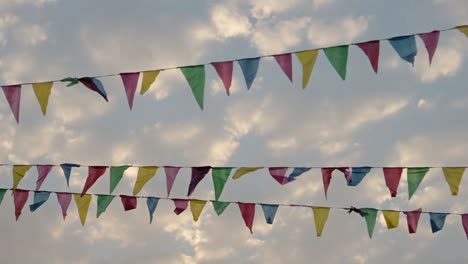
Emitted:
pixel 370 214
pixel 220 176
pixel 415 177
pixel 103 202
pixel 195 76
pixel 2 194
pixel 116 174
pixel 219 207
pixel 338 57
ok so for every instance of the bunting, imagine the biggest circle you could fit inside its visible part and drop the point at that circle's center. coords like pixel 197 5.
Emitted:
pixel 116 174
pixel 405 46
pixel 144 175
pixel 152 203
pixel 220 176
pixel 320 218
pixel 130 82
pixel 338 57
pixel 357 174
pixel 248 213
pixel 224 70
pixel 39 199
pixel 415 177
pixel 437 221
pixel 279 174
pixel 42 92
pixel 103 201
pixel 370 215
pixel 198 173
pixel 42 172
pixel 412 218
pixel 148 79
pixel 171 174
pixel 19 198
pixel 219 206
pixel 128 202
pixel 249 68
pixel 465 223
pixel 372 51
pixel 269 211
pixel 243 171
pixel 82 204
pixel 327 175
pixel 195 76
pixel 463 29
pixel 64 200
pixel 13 95
pixel 2 194
pixel 67 167
pixel 94 173
pixel 298 172
pixel 307 59
pixel 392 218
pixel 18 173
pixel 285 62
pixel 453 177
pixel 392 179
pixel 180 205
pixel 94 85
pixel 430 40
pixel 196 206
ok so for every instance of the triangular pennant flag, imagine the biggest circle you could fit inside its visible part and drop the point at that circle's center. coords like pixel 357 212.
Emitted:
pixel 128 202
pixel 412 218
pixel 94 85
pixel 196 206
pixel 116 174
pixel 269 211
pixel 465 223
pixel 298 172
pixel 42 172
pixel 338 57
pixel 2 194
pixel 148 79
pixel 372 51
pixel 180 205
pixel 220 176
pixel 144 175
pixel 195 76
pixel 415 177
pixel 463 29
pixel 392 179
pixel 307 59
pixel 130 82
pixel 248 213
pixel 103 201
pixel 94 173
pixel 430 40
pixel 249 68
pixel 171 174
pixel 66 167
pixel 198 173
pixel 285 62
pixel 224 70
pixel 244 170
pixel 357 174
pixel 13 96
pixel 219 207
pixel 42 92
pixel 405 46
pixel 39 199
pixel 279 174
pixel 453 177
pixel 152 203
pixel 320 218
pixel 327 175
pixel 370 214
pixel 64 200
pixel 18 173
pixel 437 221
pixel 392 218
pixel 19 198
pixel 82 204
pixel 71 81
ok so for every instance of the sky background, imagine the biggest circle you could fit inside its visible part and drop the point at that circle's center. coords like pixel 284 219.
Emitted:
pixel 403 116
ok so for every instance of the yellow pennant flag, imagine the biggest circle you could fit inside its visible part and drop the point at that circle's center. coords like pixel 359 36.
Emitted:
pixel 307 59
pixel 463 29
pixel 196 206
pixel 148 79
pixel 144 175
pixel 453 177
pixel 320 218
pixel 82 203
pixel 42 92
pixel 18 173
pixel 392 218
pixel 244 170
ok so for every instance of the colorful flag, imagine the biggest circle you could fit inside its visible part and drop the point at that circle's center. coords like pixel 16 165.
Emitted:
pixel 279 174
pixel 219 207
pixel 405 46
pixel 465 223
pixel 357 174
pixel 285 62
pixel 116 174
pixel 430 40
pixel 103 201
pixel 171 174
pixel 94 173
pixel 195 76
pixel 392 179
pixel 19 198
pixel 152 203
pixel 244 170
pixel 298 171
pixel 220 176
pixel 18 173
pixel 13 96
pixel 463 29
pixel 307 59
pixel 412 217
pixel 144 175
pixel 370 214
pixel 320 218
pixel 327 175
pixel 180 205
pixel 39 199
pixel 269 211
pixel 82 204
pixel 148 79
pixel 224 70
pixel 42 172
pixel 198 173
pixel 2 194
pixel 437 221
pixel 248 213
pixel 66 167
pixel 453 176
pixel 94 85
pixel 64 200
pixel 249 68
pixel 392 218
pixel 128 202
pixel 130 82
pixel 196 206
pixel 42 92
pixel 372 50
pixel 415 177
pixel 338 57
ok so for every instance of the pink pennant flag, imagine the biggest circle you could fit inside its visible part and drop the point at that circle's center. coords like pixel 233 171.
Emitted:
pixel 42 172
pixel 285 62
pixel 130 82
pixel 465 223
pixel 278 173
pixel 372 50
pixel 94 173
pixel 180 205
pixel 64 200
pixel 430 40
pixel 13 96
pixel 224 70
pixel 327 175
pixel 392 179
pixel 248 213
pixel 128 202
pixel 412 217
pixel 171 174
pixel 20 197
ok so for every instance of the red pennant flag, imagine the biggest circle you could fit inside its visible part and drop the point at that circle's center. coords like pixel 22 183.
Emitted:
pixel 285 62
pixel 181 205
pixel 13 96
pixel 430 40
pixel 465 223
pixel 198 173
pixel 392 179
pixel 94 173
pixel 224 70
pixel 248 213
pixel 130 82
pixel 42 172
pixel 412 217
pixel 372 50
pixel 278 173
pixel 327 175
pixel 128 202
pixel 64 200
pixel 171 174
pixel 20 197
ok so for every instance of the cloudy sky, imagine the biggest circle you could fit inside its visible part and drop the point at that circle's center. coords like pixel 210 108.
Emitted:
pixel 404 116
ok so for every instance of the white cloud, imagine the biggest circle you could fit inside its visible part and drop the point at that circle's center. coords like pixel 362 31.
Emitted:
pixel 282 144
pixel 31 35
pixel 344 31
pixel 228 22
pixel 262 9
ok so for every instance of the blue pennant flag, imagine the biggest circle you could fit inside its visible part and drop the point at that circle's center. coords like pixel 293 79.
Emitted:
pixel 269 210
pixel 151 202
pixel 39 199
pixel 357 174
pixel 298 172
pixel 67 167
pixel 249 68
pixel 405 46
pixel 437 221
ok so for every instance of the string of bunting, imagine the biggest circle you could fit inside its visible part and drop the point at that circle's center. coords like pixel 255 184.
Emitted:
pixel 405 47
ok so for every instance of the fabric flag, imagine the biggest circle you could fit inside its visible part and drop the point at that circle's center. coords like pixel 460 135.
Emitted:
pixel 195 76
pixel 392 179
pixel 198 173
pixel 130 82
pixel 415 176
pixel 220 176
pixel 430 40
pixel 196 206
pixel 152 203
pixel 171 174
pixel 405 46
pixel 116 174
pixel 64 200
pixel 285 62
pixel 307 59
pixel 248 213
pixel 19 197
pixel 370 214
pixel 297 172
pixel 269 211
pixel 243 171
pixel 94 85
pixel 279 174
pixel 463 29
pixel 357 174
pixel 82 203
pixel 412 217
pixel 465 223
pixel 144 175
pixel 219 207
pixel 128 202
pixel 39 199
pixel 18 173
pixel 42 172
pixel 103 201
pixel 327 175
pixel 249 68
pixel 453 177
pixel 180 205
pixel 392 218
pixel 94 173
pixel 224 70
pixel 42 92
pixel 148 79
pixel 437 221
pixel 338 57
pixel 2 194
pixel 320 218
pixel 13 96
pixel 66 167
pixel 372 51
